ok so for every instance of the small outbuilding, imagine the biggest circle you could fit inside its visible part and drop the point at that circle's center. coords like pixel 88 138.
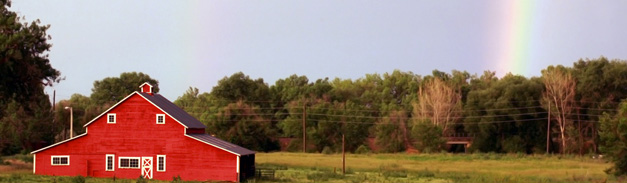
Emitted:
pixel 146 135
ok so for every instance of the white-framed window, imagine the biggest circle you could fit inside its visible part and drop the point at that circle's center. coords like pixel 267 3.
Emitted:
pixel 160 163
pixel 60 160
pixel 111 118
pixel 110 162
pixel 128 162
pixel 160 118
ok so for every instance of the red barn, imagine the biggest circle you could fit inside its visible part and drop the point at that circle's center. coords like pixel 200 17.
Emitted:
pixel 146 134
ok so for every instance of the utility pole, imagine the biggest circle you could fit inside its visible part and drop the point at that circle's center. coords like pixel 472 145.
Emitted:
pixel 304 129
pixel 71 121
pixel 548 129
pixel 343 156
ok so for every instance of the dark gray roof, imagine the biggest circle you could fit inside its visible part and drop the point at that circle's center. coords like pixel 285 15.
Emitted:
pixel 173 110
pixel 219 143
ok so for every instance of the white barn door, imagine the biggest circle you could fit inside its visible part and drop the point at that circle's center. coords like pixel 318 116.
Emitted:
pixel 146 167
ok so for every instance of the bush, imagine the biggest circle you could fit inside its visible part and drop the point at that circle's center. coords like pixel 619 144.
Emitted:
pixel 78 179
pixel 428 137
pixel 613 138
pixel 362 149
pixel 141 180
pixel 327 150
pixel 176 179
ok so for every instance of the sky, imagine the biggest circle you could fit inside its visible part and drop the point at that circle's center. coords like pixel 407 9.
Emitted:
pixel 196 43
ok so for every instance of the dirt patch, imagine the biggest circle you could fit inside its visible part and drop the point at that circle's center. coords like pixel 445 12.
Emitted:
pixel 15 165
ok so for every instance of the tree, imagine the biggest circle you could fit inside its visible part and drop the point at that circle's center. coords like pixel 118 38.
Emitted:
pixel 560 95
pixel 613 139
pixel 428 137
pixel 391 132
pixel 242 124
pixel 240 87
pixel 113 89
pixel 24 72
pixel 438 102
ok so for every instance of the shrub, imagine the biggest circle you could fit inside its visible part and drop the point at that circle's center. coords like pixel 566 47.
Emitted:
pixel 78 179
pixel 428 137
pixel 613 138
pixel 141 180
pixel 327 150
pixel 362 149
pixel 176 179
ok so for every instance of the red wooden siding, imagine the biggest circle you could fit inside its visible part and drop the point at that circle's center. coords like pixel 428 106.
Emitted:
pixel 136 134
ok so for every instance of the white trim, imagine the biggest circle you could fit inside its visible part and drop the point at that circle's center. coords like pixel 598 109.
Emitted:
pixel 34 162
pixel 212 144
pixel 110 108
pixel 125 100
pixel 160 115
pixel 142 87
pixel 163 111
pixel 151 173
pixel 164 163
pixel 107 162
pixel 115 119
pixel 60 156
pixel 59 143
pixel 237 171
pixel 129 162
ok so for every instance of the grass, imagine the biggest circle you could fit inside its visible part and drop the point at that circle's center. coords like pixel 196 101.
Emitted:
pixel 444 168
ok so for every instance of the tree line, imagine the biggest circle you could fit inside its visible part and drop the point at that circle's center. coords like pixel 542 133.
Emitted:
pixel 574 109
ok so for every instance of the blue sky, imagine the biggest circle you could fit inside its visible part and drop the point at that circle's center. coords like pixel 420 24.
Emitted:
pixel 197 43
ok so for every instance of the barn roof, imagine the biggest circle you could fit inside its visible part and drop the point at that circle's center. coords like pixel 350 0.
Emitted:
pixel 174 111
pixel 219 143
pixel 163 104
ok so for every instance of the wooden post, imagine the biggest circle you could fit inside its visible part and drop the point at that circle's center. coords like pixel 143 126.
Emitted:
pixel 548 129
pixel 343 157
pixel 304 129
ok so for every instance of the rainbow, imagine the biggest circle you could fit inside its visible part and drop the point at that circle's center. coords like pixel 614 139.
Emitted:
pixel 514 37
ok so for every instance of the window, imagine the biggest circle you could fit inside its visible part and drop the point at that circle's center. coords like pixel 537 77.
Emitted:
pixel 110 164
pixel 129 162
pixel 111 118
pixel 60 160
pixel 160 118
pixel 161 163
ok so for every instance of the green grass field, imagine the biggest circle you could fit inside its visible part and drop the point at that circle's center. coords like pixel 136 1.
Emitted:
pixel 300 167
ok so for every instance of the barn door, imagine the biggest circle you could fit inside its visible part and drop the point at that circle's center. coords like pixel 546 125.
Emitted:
pixel 147 167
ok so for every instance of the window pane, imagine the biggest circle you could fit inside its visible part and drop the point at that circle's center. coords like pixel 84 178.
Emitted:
pixel 161 163
pixel 134 163
pixel 64 161
pixel 124 163
pixel 109 163
pixel 55 161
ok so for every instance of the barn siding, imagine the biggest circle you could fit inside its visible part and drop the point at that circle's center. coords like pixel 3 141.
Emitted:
pixel 136 134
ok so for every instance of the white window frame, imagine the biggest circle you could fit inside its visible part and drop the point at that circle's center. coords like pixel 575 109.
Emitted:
pixel 62 156
pixel 107 162
pixel 160 115
pixel 114 118
pixel 164 163
pixel 129 163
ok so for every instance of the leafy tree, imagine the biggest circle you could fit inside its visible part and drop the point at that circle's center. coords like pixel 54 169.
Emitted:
pixel 113 89
pixel 613 139
pixel 240 87
pixel 428 137
pixel 242 124
pixel 24 72
pixel 499 112
pixel 391 132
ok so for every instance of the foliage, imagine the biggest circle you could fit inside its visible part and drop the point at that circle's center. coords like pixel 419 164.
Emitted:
pixel 24 72
pixel 113 89
pixel 391 132
pixel 241 124
pixel 78 179
pixel 362 149
pixel 613 139
pixel 498 111
pixel 428 137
